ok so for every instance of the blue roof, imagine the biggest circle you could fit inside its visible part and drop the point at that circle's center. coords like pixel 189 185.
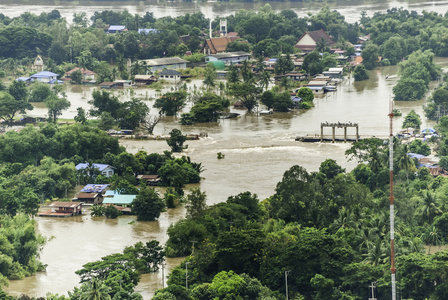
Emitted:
pixel 94 188
pixel 56 81
pixel 315 87
pixel 147 30
pixel 117 27
pixel 415 155
pixel 111 193
pixel 23 79
pixel 296 99
pixel 100 167
pixel 120 199
pixel 44 74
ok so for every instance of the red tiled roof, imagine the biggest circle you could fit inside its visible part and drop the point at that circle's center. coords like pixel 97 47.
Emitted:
pixel 217 44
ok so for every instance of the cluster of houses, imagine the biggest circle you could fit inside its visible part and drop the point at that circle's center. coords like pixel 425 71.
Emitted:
pixel 92 194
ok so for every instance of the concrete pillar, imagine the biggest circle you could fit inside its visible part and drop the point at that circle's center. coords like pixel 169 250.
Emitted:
pixel 321 132
pixel 345 133
pixel 357 133
pixel 334 136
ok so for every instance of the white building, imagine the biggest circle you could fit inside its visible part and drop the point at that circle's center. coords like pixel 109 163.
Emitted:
pixel 228 57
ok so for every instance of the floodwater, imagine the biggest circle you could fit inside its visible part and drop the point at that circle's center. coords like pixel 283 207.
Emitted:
pixel 257 149
pixel 351 9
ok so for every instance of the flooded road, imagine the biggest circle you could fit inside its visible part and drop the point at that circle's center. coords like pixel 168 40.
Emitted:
pixel 257 149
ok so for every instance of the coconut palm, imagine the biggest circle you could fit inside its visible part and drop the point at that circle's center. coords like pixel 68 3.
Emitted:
pixel 96 290
pixel 405 162
pixel 265 80
pixel 430 207
pixel 377 253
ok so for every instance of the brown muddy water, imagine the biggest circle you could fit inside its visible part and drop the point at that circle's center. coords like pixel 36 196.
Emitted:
pixel 351 9
pixel 257 149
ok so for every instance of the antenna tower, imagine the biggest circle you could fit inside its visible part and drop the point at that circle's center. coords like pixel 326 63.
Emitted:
pixel 391 202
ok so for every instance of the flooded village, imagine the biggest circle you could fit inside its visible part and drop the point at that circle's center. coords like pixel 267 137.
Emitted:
pixel 223 167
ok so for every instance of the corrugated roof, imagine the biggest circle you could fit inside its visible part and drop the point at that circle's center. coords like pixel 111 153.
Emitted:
pixel 87 196
pixel 169 72
pixel 83 71
pixel 117 27
pixel 230 54
pixel 317 35
pixel 64 204
pixel 44 74
pixel 120 199
pixel 164 61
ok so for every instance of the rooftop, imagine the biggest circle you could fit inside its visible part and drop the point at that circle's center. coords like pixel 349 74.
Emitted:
pixel 100 167
pixel 164 61
pixel 117 27
pixel 94 188
pixel 64 204
pixel 230 54
pixel 169 72
pixel 44 74
pixel 120 199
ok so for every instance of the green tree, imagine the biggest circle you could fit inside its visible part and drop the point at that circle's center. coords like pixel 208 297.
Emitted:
pixel 360 73
pixel 210 76
pixel 306 94
pixel 18 90
pixel 409 89
pixel 268 99
pixel 176 140
pixel 170 103
pixel 111 212
pixel 76 77
pixel 55 107
pixel 96 290
pixel 147 205
pixel 247 93
pixel 265 79
pixel 196 203
pixel 81 116
pixel 40 91
pixel 412 120
pixel 370 56
pixel 9 107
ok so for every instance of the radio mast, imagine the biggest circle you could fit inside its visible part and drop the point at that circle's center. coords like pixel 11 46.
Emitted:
pixel 391 202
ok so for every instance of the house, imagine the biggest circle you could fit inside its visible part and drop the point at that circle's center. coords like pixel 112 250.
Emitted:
pixel 38 65
pixel 228 57
pixel 144 79
pixel 334 73
pixel 171 75
pixel 308 41
pixel 297 76
pixel 87 75
pixel 216 45
pixel 318 86
pixel 108 85
pixel 124 83
pixel 62 209
pixel 89 198
pixel 116 29
pixel 296 100
pixel 158 64
pixel 26 79
pixel 106 170
pixel 45 76
pixel 150 179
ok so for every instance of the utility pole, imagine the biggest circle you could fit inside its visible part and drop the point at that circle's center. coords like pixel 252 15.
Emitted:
pixel 186 275
pixel 372 286
pixel 286 283
pixel 163 275
pixel 192 252
pixel 391 202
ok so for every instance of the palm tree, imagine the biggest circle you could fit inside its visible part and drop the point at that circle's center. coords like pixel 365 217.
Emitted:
pixel 377 253
pixel 430 208
pixel 260 64
pixel 265 80
pixel 322 45
pixel 246 71
pixel 96 290
pixel 405 162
